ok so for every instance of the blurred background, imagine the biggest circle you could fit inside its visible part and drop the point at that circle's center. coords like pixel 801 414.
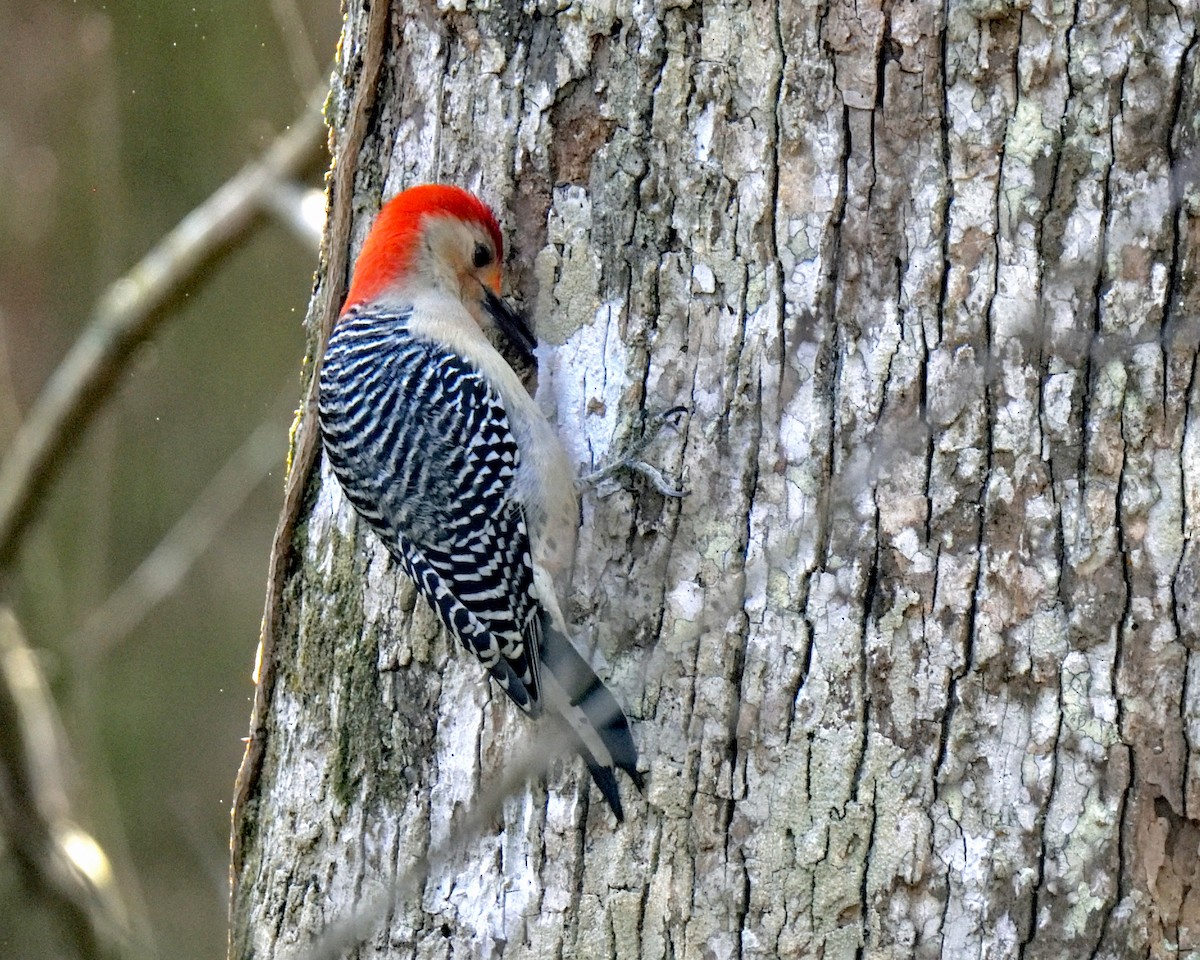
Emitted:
pixel 116 119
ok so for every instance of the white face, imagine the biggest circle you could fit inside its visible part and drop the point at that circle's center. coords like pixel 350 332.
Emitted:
pixel 459 258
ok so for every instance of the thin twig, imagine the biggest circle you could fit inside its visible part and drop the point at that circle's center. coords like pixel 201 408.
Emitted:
pixel 127 315
pixel 160 573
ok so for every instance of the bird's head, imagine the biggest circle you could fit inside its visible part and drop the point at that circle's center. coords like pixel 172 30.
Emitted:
pixel 436 239
pixel 429 238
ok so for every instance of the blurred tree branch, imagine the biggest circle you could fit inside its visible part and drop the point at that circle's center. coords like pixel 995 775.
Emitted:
pixel 129 312
pixel 305 66
pixel 64 867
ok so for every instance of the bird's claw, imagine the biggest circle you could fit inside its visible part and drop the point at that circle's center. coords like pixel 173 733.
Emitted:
pixel 656 478
pixel 630 457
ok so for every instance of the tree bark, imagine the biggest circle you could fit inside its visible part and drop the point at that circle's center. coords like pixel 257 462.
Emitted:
pixel 912 665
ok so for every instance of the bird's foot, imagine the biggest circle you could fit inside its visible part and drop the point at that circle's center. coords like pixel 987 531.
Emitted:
pixel 630 456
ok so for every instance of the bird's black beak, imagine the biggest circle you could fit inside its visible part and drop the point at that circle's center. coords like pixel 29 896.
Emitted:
pixel 512 325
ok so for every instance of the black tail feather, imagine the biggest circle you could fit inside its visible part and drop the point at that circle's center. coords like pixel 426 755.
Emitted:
pixel 604 715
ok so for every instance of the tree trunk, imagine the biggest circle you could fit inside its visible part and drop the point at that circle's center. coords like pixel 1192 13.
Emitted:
pixel 911 666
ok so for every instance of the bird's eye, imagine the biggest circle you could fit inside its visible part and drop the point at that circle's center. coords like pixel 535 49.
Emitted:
pixel 483 255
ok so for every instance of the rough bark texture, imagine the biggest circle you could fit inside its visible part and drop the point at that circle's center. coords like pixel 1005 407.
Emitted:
pixel 913 665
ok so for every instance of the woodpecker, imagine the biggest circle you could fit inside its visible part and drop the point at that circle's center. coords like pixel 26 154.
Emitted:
pixel 442 451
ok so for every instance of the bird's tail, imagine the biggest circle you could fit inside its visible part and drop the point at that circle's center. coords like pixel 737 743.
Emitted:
pixel 595 722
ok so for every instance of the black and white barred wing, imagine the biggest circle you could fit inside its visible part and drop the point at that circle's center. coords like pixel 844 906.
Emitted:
pixel 423 449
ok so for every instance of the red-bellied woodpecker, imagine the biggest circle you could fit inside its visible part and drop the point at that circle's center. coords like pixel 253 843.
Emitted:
pixel 443 452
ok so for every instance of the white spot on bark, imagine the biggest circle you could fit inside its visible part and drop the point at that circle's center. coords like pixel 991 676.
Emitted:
pixel 703 280
pixel 704 132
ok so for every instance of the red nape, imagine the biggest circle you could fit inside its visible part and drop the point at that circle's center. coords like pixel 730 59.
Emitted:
pixel 390 246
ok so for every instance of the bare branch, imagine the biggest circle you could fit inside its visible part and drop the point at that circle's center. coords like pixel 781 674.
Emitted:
pixel 128 314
